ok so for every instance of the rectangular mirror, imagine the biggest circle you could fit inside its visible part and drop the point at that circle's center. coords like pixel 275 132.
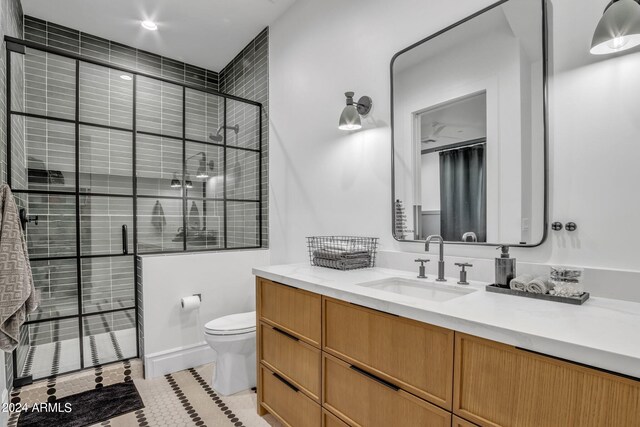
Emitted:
pixel 469 130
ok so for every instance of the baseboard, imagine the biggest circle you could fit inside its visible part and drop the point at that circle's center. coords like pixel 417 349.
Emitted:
pixel 177 359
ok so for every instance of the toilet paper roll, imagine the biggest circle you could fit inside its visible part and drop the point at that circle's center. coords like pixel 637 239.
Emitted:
pixel 190 303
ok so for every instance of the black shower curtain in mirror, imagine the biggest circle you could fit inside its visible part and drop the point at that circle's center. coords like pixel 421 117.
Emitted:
pixel 463 193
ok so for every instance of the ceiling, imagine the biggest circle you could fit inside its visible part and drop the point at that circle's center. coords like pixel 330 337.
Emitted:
pixel 206 33
pixel 460 120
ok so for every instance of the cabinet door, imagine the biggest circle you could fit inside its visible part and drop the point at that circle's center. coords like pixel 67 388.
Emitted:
pixel 294 359
pixel 415 356
pixel 295 311
pixel 287 403
pixel 363 400
pixel 500 385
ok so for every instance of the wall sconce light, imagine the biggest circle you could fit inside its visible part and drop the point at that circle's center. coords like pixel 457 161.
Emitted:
pixel 175 182
pixel 350 117
pixel 202 168
pixel 187 182
pixel 618 29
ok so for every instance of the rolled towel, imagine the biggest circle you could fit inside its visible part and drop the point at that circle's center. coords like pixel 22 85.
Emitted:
pixel 520 283
pixel 539 285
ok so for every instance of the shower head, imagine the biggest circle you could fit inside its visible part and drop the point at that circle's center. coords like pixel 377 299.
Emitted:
pixel 218 138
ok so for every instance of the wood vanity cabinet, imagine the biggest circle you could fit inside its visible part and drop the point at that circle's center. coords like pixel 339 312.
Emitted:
pixel 326 362
pixel 499 385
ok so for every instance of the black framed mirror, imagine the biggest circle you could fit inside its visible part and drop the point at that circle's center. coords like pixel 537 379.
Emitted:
pixel 469 130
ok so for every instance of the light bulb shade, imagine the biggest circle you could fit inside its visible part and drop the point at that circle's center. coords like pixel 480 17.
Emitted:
pixel 188 183
pixel 618 29
pixel 350 118
pixel 202 170
pixel 175 182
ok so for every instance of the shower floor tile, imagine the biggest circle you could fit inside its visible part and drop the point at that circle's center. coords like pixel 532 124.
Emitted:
pixel 44 360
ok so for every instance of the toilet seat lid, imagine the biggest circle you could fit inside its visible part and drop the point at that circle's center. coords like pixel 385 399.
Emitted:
pixel 239 323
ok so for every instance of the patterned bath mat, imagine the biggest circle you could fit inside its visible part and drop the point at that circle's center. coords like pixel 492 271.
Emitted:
pixel 83 409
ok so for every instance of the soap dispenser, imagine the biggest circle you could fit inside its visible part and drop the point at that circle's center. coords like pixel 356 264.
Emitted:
pixel 505 268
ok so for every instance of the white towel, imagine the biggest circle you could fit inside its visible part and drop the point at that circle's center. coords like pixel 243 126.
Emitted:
pixel 17 292
pixel 520 283
pixel 539 285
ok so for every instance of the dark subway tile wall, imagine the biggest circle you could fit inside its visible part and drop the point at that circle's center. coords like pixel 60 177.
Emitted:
pixel 106 283
pixel 247 76
pixel 56 284
pixel 105 97
pixel 90 46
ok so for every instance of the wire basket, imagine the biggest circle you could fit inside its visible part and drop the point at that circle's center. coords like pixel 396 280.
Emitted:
pixel 342 252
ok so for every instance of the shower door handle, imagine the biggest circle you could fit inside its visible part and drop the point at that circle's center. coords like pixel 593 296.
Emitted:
pixel 125 240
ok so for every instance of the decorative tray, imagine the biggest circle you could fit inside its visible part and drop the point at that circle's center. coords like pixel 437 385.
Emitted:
pixel 579 300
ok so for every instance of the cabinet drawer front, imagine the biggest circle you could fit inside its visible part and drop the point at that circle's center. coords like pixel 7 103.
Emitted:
pixel 330 420
pixel 364 401
pixel 295 311
pixel 499 385
pixel 459 422
pixel 296 360
pixel 292 407
pixel 413 355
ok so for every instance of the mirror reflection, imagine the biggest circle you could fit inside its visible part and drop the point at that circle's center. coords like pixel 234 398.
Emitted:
pixel 469 130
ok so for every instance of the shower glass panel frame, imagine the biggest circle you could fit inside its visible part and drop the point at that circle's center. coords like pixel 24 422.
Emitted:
pixel 236 191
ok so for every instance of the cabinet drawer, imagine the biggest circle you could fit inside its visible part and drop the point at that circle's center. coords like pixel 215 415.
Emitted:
pixel 330 420
pixel 295 311
pixel 297 361
pixel 459 422
pixel 413 355
pixel 286 403
pixel 362 400
pixel 499 385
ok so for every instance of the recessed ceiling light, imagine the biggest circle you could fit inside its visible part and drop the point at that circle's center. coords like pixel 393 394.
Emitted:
pixel 126 77
pixel 149 25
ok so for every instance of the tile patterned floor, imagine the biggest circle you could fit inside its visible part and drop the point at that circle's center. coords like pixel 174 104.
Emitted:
pixel 184 398
pixel 62 356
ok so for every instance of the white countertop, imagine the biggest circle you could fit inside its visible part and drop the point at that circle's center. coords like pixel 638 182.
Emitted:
pixel 603 333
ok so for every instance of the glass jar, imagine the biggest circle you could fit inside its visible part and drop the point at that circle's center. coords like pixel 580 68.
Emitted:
pixel 567 281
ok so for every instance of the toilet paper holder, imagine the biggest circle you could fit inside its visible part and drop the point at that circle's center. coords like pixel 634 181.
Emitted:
pixel 195 295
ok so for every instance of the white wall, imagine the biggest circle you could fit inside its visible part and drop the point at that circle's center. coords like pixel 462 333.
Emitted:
pixel 174 338
pixel 323 180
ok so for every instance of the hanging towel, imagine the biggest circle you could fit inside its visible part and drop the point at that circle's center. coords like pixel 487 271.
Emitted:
pixel 194 217
pixel 520 282
pixel 157 217
pixel 17 292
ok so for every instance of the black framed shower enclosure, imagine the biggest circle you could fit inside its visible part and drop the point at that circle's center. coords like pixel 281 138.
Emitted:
pixel 110 163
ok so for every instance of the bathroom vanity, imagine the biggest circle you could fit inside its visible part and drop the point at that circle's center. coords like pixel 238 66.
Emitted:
pixel 364 348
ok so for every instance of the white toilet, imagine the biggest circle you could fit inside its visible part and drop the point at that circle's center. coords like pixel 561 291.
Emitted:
pixel 233 338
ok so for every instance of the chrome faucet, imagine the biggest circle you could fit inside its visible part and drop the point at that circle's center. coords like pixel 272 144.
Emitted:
pixel 441 259
pixel 465 236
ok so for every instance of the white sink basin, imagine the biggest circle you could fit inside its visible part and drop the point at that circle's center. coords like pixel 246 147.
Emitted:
pixel 422 289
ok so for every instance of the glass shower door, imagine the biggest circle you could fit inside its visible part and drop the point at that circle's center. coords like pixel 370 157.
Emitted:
pixel 71 170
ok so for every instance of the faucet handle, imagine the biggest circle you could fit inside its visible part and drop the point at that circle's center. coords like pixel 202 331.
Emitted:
pixel 463 264
pixel 421 272
pixel 463 272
